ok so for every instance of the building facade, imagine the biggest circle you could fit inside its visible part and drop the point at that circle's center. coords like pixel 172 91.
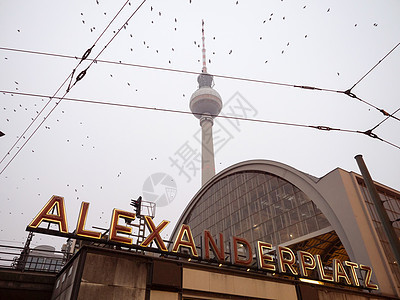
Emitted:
pixel 101 273
pixel 331 216
pixel 261 204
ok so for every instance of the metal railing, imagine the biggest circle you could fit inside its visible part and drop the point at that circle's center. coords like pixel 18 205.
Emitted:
pixel 31 259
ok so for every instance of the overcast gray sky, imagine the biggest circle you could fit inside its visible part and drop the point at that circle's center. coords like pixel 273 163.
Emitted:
pixel 104 154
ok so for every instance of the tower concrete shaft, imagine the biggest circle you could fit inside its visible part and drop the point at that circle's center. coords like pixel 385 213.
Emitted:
pixel 206 104
pixel 207 149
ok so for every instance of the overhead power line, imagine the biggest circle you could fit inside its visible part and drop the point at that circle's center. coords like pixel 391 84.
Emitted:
pixel 306 87
pixel 324 128
pixel 318 127
pixel 92 61
pixel 109 24
pixel 95 60
pixel 376 126
pixel 168 69
pixel 374 66
pixel 78 78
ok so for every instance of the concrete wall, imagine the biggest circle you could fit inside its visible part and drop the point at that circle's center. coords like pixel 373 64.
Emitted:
pixel 356 230
pixel 98 273
pixel 112 277
pixel 236 285
pixel 66 281
pixel 25 285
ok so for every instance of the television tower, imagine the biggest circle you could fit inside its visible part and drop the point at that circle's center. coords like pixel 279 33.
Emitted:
pixel 205 105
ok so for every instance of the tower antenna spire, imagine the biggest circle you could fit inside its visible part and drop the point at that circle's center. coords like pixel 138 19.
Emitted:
pixel 204 70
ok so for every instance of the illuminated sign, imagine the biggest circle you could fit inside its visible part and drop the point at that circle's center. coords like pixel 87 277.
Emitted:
pixel 284 261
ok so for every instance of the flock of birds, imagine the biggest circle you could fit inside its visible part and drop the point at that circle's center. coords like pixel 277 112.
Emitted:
pixel 197 44
pixel 13 112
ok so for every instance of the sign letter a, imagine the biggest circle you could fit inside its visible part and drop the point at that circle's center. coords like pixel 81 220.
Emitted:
pixel 58 218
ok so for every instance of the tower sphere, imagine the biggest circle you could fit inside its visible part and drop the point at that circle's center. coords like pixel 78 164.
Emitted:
pixel 205 100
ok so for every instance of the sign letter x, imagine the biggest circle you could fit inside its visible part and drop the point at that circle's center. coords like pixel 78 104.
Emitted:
pixel 155 233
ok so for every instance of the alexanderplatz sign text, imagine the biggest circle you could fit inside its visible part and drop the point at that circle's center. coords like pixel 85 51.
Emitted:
pixel 285 260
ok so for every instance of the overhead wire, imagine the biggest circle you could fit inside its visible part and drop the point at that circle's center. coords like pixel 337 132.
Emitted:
pixel 173 70
pixel 95 60
pixel 376 126
pixel 318 127
pixel 109 24
pixel 366 74
pixel 92 61
pixel 306 87
pixel 89 50
pixel 70 76
pixel 384 112
pixel 34 120
pixel 174 111
pixel 381 110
